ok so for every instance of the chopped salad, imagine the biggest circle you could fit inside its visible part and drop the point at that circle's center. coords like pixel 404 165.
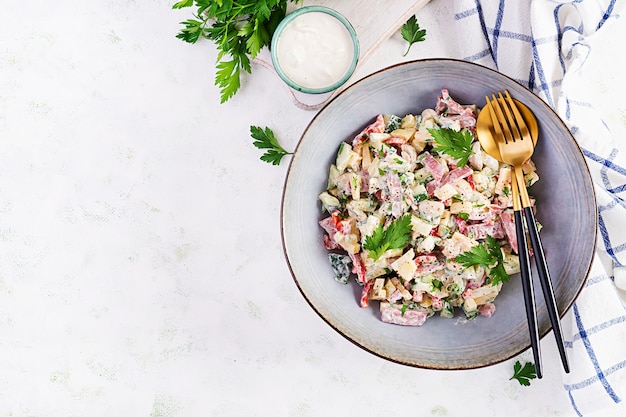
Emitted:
pixel 421 216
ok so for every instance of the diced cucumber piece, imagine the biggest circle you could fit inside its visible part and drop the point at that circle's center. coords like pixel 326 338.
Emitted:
pixel 329 202
pixel 341 267
pixel 392 122
pixel 345 156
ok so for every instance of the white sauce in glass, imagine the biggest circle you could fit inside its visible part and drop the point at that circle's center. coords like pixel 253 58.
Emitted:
pixel 315 50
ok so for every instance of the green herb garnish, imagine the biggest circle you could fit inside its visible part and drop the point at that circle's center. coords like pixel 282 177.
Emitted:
pixel 463 215
pixel 420 197
pixel 412 33
pixel 395 236
pixel 525 373
pixel 240 29
pixel 265 139
pixel 456 144
pixel 488 255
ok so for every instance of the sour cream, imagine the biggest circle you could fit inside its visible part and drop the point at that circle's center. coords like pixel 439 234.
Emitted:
pixel 315 49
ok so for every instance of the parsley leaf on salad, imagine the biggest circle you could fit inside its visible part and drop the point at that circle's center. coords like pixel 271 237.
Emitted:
pixel 488 255
pixel 265 139
pixel 395 236
pixel 456 144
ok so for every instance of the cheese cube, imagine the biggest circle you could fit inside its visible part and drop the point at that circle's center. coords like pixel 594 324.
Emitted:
pixel 420 227
pixel 378 291
pixel 463 188
pixel 445 192
pixel 405 293
pixel 461 207
pixel 406 133
pixel 405 265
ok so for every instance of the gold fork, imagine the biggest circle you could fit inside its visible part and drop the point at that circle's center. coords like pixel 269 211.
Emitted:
pixel 516 147
pixel 491 144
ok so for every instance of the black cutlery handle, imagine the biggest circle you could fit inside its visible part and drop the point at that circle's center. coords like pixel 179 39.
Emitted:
pixel 546 284
pixel 527 287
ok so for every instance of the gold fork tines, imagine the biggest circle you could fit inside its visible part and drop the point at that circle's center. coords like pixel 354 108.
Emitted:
pixel 506 118
pixel 512 143
pixel 519 120
pixel 500 137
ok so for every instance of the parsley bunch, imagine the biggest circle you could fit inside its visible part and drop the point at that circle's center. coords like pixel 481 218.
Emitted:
pixel 488 255
pixel 239 29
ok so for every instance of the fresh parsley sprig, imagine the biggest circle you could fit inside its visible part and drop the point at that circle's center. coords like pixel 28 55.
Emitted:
pixel 523 374
pixel 456 144
pixel 412 33
pixel 394 236
pixel 239 28
pixel 265 139
pixel 487 255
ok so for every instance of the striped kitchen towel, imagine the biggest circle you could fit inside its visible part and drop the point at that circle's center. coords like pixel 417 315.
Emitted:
pixel 545 46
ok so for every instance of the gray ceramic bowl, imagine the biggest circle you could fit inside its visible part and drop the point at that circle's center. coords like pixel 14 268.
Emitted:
pixel 566 209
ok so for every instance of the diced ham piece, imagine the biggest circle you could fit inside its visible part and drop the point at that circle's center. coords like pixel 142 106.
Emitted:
pixel 508 224
pixel 393 188
pixel 487 214
pixel 364 176
pixel 428 269
pixel 358 267
pixel 433 166
pixel 437 302
pixel 466 119
pixel 455 111
pixel 330 244
pixel 442 101
pixel 395 296
pixel 395 141
pixel 426 259
pixel 472 285
pixel 482 230
pixel 431 186
pixel 487 310
pixel 365 293
pixel 461 225
pixel 377 127
pixel 470 181
pixel 456 174
pixel 329 224
pixel 427 264
pixel 410 317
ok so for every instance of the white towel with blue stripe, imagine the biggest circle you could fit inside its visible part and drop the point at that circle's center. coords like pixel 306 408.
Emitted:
pixel 544 45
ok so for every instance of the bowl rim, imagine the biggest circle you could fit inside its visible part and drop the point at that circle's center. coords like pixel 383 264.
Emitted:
pixel 288 19
pixel 360 345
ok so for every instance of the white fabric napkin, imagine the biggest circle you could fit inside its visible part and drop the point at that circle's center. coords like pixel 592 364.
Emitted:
pixel 545 46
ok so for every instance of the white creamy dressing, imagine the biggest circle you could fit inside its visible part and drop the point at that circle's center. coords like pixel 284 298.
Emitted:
pixel 315 50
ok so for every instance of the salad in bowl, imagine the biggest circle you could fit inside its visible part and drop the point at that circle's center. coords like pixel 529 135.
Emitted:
pixel 421 216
